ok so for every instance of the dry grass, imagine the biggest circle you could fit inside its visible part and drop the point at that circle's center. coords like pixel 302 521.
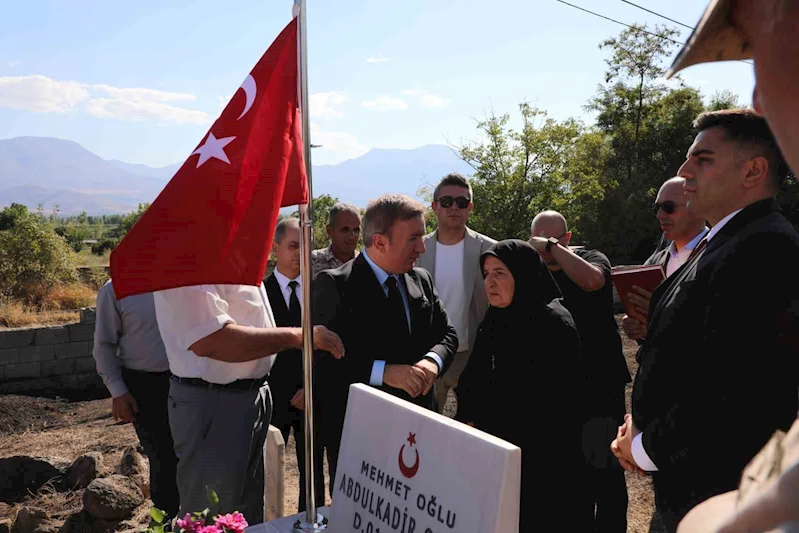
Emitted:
pixel 71 296
pixel 87 259
pixel 16 315
pixel 58 306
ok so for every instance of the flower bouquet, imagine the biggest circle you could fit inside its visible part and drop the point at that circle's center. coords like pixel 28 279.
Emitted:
pixel 198 522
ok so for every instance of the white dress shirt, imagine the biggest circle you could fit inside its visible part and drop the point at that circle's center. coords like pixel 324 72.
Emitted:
pixel 187 314
pixel 678 258
pixel 283 282
pixel 642 459
pixel 378 367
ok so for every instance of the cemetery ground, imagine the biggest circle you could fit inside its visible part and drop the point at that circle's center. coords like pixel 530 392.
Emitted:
pixel 60 428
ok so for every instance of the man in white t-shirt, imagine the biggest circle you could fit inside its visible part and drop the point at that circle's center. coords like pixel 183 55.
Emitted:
pixel 452 256
pixel 220 341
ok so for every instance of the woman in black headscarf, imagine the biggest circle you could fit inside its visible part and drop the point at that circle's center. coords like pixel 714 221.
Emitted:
pixel 523 381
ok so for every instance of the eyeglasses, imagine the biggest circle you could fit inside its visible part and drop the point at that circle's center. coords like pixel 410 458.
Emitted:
pixel 668 207
pixel 462 202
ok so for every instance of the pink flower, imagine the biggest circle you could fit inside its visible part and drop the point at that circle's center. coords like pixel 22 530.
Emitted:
pixel 187 524
pixel 210 529
pixel 234 523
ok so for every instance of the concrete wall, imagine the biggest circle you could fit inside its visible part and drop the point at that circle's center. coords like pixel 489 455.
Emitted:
pixel 50 359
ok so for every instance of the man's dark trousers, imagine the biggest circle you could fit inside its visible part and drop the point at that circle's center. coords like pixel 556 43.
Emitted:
pixel 151 390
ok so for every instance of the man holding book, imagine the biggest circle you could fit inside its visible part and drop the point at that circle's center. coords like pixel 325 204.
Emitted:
pixel 718 370
pixel 583 277
pixel 684 230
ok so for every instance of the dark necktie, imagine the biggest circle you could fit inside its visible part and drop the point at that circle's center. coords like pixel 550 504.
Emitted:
pixel 396 306
pixel 698 249
pixel 295 311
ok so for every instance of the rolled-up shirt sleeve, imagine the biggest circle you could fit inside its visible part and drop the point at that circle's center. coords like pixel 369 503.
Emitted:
pixel 191 313
pixel 106 341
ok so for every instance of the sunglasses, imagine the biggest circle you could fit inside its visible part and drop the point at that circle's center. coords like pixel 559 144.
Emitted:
pixel 462 202
pixel 668 207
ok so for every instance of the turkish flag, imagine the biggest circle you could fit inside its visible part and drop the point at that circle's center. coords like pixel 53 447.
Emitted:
pixel 214 221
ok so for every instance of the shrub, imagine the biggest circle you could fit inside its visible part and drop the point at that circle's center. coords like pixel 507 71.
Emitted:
pixel 100 247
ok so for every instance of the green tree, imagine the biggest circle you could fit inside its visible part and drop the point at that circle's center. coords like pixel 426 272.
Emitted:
pixel 520 172
pixel 33 258
pixel 127 222
pixel 320 213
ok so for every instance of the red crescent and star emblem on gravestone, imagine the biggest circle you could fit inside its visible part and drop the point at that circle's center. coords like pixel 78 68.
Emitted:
pixel 409 471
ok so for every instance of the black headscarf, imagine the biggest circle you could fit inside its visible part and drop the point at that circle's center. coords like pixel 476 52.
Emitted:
pixel 535 287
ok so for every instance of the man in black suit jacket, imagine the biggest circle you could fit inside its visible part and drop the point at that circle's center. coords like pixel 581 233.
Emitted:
pixel 284 290
pixel 718 370
pixel 394 328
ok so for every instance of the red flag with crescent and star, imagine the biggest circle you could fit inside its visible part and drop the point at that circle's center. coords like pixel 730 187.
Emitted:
pixel 214 221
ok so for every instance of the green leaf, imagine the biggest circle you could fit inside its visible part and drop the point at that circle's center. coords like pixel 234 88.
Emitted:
pixel 157 514
pixel 211 495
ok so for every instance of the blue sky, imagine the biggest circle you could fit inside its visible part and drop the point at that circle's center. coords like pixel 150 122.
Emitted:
pixel 142 81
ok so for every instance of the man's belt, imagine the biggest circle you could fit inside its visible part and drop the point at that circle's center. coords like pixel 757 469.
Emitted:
pixel 239 384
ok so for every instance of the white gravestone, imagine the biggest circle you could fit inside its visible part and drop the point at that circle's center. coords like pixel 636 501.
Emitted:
pixel 403 468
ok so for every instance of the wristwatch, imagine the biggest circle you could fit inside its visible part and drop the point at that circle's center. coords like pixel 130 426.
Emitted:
pixel 552 241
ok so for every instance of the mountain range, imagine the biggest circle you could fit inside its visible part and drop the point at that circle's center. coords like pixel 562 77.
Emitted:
pixel 55 172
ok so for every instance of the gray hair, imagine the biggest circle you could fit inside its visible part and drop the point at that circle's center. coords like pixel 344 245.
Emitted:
pixel 283 226
pixel 384 211
pixel 342 207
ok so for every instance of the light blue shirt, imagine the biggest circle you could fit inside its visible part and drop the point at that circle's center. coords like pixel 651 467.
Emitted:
pixel 378 367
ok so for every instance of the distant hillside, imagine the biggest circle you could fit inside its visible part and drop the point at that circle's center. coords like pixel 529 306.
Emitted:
pixel 47 171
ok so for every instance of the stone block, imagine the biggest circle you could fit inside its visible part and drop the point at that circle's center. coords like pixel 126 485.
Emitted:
pixel 81 332
pixel 85 364
pixel 23 370
pixel 54 335
pixel 16 337
pixel 9 355
pixel 58 368
pixel 72 350
pixel 88 315
pixel 36 353
pixel 274 471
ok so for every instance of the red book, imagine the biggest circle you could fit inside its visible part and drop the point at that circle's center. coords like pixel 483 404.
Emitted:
pixel 647 277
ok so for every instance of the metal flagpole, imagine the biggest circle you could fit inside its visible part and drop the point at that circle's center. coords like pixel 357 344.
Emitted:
pixel 312 521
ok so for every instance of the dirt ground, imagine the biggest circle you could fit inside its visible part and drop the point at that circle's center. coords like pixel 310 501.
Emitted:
pixel 47 427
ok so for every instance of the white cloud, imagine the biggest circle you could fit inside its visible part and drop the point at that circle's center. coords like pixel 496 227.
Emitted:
pixel 427 99
pixel 385 103
pixel 223 101
pixel 433 100
pixel 377 59
pixel 138 111
pixel 13 64
pixel 323 105
pixel 41 94
pixel 338 146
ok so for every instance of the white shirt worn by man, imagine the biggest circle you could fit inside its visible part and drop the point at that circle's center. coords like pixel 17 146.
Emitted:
pixel 679 258
pixel 451 289
pixel 642 459
pixel 188 314
pixel 283 282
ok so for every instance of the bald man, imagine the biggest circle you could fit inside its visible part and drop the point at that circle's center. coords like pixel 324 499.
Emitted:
pixel 584 280
pixel 684 230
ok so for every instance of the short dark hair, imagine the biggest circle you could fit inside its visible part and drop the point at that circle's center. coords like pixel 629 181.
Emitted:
pixel 747 127
pixel 283 226
pixel 384 211
pixel 452 179
pixel 342 207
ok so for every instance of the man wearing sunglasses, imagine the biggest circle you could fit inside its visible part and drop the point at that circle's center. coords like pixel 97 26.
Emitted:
pixel 685 230
pixel 452 256
pixel 583 277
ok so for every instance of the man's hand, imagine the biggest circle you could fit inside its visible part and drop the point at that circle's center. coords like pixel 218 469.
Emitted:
pixel 124 408
pixel 430 370
pixel 409 378
pixel 634 329
pixel 539 243
pixel 324 339
pixel 298 400
pixel 622 446
pixel 639 298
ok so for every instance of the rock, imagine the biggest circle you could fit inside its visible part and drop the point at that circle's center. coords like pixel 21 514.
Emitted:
pixel 85 469
pixel 112 498
pixel 33 520
pixel 135 467
pixel 22 474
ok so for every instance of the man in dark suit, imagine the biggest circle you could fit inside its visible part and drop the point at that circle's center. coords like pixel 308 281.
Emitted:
pixel 680 226
pixel 284 290
pixel 394 327
pixel 718 370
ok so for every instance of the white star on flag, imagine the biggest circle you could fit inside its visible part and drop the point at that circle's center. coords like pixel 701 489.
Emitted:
pixel 213 147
